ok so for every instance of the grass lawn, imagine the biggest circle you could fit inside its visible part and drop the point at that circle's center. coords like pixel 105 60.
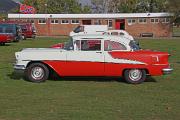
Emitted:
pixel 89 98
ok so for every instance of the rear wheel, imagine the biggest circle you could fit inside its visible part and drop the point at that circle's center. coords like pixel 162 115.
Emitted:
pixel 37 72
pixel 135 76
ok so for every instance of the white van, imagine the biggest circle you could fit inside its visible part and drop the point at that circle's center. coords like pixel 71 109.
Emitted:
pixel 89 29
pixel 119 32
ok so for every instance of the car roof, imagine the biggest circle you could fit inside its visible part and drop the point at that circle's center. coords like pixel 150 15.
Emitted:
pixel 116 31
pixel 101 37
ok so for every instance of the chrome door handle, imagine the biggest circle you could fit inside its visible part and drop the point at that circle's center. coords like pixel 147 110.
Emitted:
pixel 99 52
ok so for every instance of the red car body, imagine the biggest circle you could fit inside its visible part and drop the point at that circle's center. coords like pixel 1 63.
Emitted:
pixel 59 45
pixel 28 30
pixel 6 38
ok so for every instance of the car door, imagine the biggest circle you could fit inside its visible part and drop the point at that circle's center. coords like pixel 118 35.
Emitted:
pixel 113 66
pixel 87 59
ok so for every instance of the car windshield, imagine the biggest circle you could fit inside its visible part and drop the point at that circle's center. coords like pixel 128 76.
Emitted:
pixel 78 29
pixel 134 46
pixel 69 44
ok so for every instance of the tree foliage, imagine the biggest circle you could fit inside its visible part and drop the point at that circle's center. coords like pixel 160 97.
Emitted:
pixel 58 6
pixel 129 6
pixel 174 7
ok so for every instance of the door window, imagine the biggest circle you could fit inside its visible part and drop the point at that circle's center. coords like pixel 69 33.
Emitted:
pixel 111 45
pixel 90 45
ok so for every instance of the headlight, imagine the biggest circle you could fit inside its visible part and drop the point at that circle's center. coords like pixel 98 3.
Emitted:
pixel 17 55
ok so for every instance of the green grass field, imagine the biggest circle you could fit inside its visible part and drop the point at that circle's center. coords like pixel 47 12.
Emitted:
pixel 89 98
pixel 176 31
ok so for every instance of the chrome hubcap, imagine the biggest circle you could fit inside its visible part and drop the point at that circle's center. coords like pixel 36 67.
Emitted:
pixel 135 74
pixel 37 73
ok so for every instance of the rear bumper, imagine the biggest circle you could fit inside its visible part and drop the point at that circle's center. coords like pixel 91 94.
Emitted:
pixel 167 71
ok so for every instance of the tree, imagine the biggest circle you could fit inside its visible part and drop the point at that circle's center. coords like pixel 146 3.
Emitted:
pixel 57 6
pixel 174 7
pixel 86 9
pixel 129 6
pixel 99 6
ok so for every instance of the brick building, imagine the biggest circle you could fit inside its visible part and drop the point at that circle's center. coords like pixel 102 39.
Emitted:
pixel 137 24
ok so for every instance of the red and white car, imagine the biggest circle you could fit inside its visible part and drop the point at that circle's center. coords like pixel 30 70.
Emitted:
pixel 93 55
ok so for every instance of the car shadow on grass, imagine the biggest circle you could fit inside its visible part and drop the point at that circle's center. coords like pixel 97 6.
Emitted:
pixel 55 77
pixel 96 79
pixel 16 76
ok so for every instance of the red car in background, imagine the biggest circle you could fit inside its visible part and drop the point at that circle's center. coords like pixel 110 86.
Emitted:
pixel 28 30
pixel 10 30
pixel 5 38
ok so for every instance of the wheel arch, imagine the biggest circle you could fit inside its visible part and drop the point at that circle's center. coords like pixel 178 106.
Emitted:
pixel 146 70
pixel 50 68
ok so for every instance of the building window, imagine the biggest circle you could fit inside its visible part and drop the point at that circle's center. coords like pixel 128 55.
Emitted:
pixel 64 21
pixel 32 21
pixel 131 21
pixel 154 20
pixel 165 20
pixel 75 21
pixel 54 21
pixel 41 21
pixel 97 22
pixel 110 23
pixel 142 20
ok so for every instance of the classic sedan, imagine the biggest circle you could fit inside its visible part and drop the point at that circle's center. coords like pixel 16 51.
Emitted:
pixel 93 55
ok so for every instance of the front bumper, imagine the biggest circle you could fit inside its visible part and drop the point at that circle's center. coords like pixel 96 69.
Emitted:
pixel 19 68
pixel 167 71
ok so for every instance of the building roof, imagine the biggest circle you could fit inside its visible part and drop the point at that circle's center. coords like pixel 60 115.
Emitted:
pixel 86 16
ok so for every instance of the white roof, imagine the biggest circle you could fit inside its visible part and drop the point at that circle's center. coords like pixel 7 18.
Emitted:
pixel 90 16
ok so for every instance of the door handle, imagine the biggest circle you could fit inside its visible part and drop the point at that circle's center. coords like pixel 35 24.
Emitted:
pixel 99 52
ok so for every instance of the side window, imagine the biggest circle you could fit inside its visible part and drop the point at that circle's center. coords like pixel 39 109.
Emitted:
pixel 111 45
pixel 114 33
pixel 90 45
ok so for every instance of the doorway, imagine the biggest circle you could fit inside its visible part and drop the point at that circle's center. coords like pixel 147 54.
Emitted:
pixel 120 24
pixel 86 22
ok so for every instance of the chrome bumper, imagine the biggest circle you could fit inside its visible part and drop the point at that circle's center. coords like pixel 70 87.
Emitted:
pixel 167 71
pixel 19 69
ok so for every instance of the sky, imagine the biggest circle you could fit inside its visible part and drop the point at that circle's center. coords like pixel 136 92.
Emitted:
pixel 85 2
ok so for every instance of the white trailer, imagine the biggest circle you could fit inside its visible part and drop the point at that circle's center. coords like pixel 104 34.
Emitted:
pixel 89 29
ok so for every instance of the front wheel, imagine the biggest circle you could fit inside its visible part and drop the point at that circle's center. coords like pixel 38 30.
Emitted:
pixel 135 76
pixel 37 72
